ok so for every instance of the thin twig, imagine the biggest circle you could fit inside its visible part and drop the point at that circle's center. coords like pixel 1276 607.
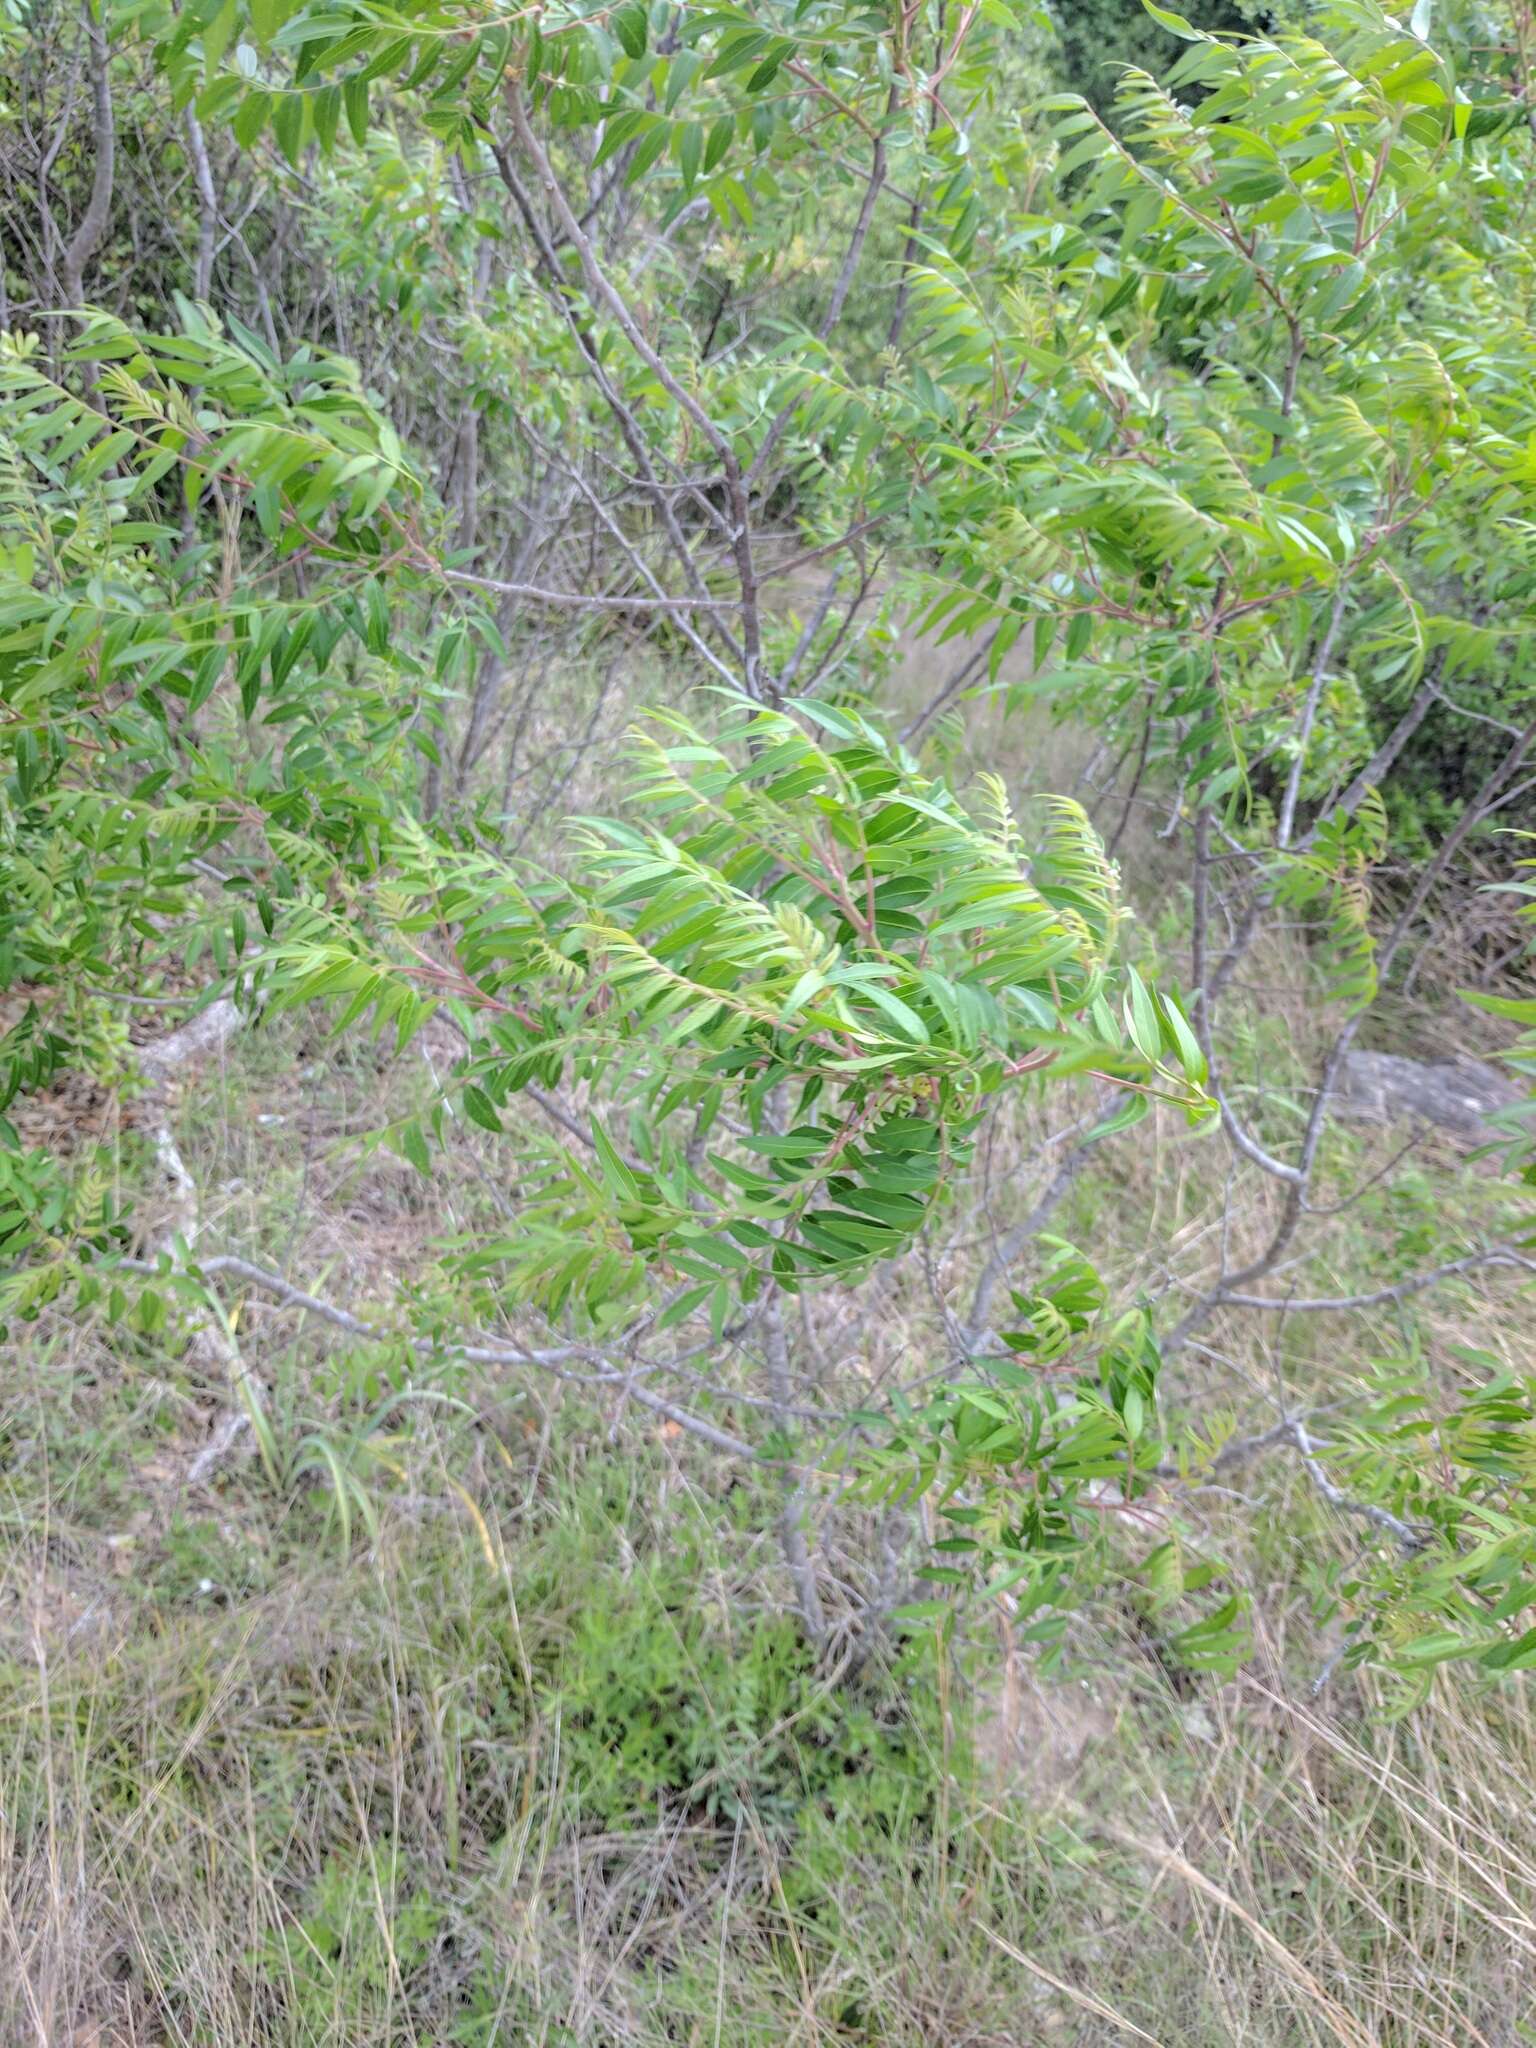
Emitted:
pixel 343 1319
pixel 1400 1290
pixel 1309 718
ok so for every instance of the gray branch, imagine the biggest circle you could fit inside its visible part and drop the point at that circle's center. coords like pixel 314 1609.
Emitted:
pixel 289 1296
pixel 92 226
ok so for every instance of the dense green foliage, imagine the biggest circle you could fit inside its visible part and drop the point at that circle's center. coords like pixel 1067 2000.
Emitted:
pixel 1208 424
pixel 731 739
pixel 1094 40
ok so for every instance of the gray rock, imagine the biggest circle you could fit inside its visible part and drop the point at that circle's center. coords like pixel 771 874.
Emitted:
pixel 1456 1095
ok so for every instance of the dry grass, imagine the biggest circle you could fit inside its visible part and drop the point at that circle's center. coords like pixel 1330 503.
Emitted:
pixel 322 1805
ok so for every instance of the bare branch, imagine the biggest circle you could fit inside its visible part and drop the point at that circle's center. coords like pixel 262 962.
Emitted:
pixel 811 628
pixel 590 601
pixel 1314 694
pixel 845 276
pixel 212 1344
pixel 1228 1290
pixel 207 205
pixel 1400 1290
pixel 1248 1145
pixel 1477 717
pixel 1472 816
pixel 1384 758
pixel 624 418
pixel 92 226
pixel 1293 1430
pixel 953 684
pixel 289 1296
pixel 1013 1242
pixel 1410 1540
pixel 1244 1142
pixel 1345 806
pixel 604 293
pixel 611 527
